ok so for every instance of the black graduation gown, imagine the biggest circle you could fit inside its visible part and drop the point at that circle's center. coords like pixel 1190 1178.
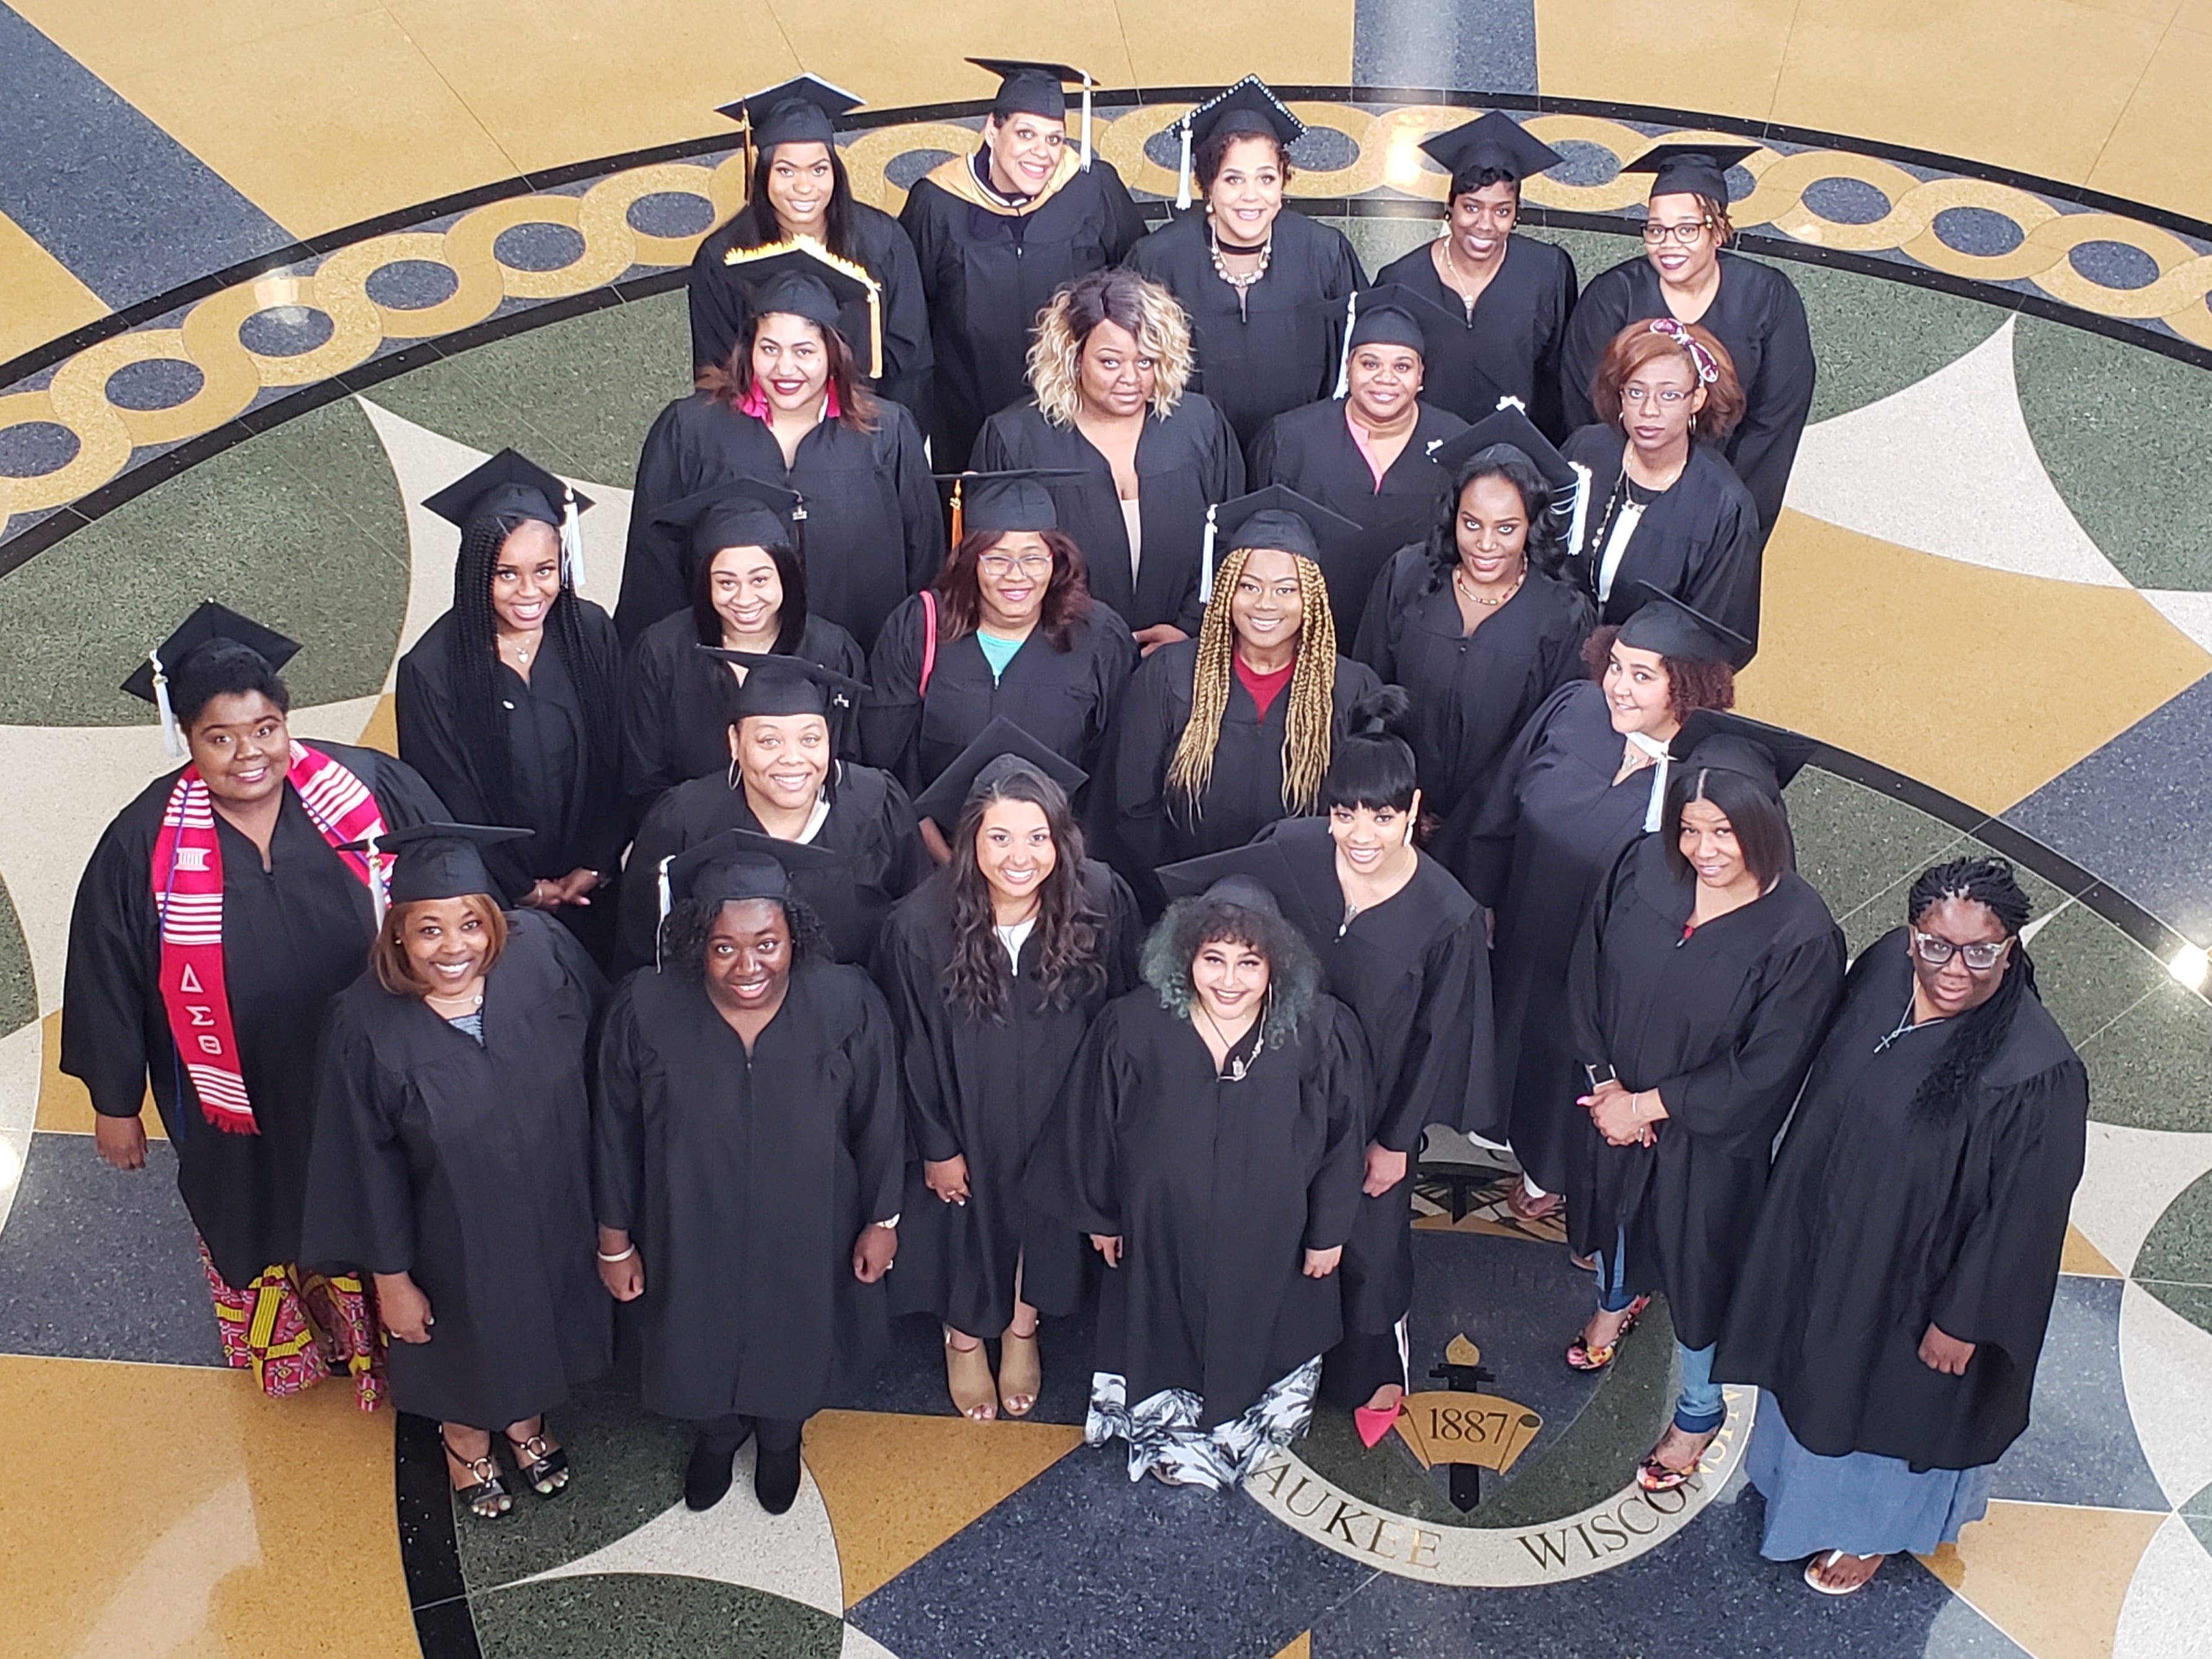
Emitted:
pixel 1185 463
pixel 1699 541
pixel 982 1093
pixel 745 1179
pixel 1723 1025
pixel 567 788
pixel 1879 1224
pixel 987 269
pixel 674 727
pixel 1471 692
pixel 1509 344
pixel 1138 824
pixel 1217 1190
pixel 720 314
pixel 871 826
pixel 1758 316
pixel 1533 849
pixel 468 1167
pixel 1279 350
pixel 295 934
pixel 874 530
pixel 1415 972
pixel 1311 451
pixel 1064 699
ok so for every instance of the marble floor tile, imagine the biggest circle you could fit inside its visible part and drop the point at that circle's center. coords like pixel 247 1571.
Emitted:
pixel 2052 1579
pixel 634 1615
pixel 2080 1447
pixel 1486 46
pixel 2152 1068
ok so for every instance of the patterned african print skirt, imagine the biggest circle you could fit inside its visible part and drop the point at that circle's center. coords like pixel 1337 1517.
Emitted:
pixel 1165 1441
pixel 292 1329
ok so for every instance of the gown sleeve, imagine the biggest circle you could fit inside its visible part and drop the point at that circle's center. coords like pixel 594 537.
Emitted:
pixel 1585 1014
pixel 1559 307
pixel 648 718
pixel 913 988
pixel 1113 659
pixel 1776 404
pixel 360 1204
pixel 993 453
pixel 652 573
pixel 618 1119
pixel 1447 1073
pixel 1725 583
pixel 922 519
pixel 603 826
pixel 891 712
pixel 1348 1082
pixel 105 987
pixel 1138 748
pixel 909 358
pixel 1745 1093
pixel 422 711
pixel 638 899
pixel 1597 317
pixel 1481 850
pixel 715 321
pixel 910 864
pixel 1125 219
pixel 404 796
pixel 1999 1290
pixel 875 1131
pixel 1376 643
pixel 1075 1174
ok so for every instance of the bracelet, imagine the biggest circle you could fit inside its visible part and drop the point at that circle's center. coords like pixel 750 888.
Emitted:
pixel 624 1256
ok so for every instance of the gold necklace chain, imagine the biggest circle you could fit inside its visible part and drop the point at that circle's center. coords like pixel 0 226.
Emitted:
pixel 1465 584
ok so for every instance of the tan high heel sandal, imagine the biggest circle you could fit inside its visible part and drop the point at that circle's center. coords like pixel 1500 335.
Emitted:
pixel 1021 1373
pixel 968 1376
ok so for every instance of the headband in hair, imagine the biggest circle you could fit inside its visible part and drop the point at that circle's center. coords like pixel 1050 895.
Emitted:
pixel 1707 369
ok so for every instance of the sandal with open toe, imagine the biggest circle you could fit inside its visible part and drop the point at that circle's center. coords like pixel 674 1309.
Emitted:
pixel 1652 1475
pixel 968 1376
pixel 1581 1357
pixel 1021 1373
pixel 542 1466
pixel 489 1499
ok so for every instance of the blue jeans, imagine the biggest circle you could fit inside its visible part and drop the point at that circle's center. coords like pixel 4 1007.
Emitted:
pixel 1700 1409
pixel 1613 1291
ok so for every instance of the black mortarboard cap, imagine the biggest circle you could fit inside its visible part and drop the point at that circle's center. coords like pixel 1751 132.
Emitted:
pixel 742 864
pixel 786 685
pixel 1278 516
pixel 1730 743
pixel 1394 315
pixel 1510 427
pixel 1013 499
pixel 736 512
pixel 800 112
pixel 1001 740
pixel 509 483
pixel 1699 168
pixel 1247 106
pixel 440 860
pixel 1664 624
pixel 1495 142
pixel 1030 88
pixel 1257 876
pixel 208 623
pixel 802 278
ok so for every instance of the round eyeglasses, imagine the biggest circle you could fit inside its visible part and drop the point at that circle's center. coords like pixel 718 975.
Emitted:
pixel 1981 956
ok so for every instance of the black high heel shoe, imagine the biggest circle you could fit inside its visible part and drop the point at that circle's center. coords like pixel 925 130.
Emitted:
pixel 543 1467
pixel 489 1499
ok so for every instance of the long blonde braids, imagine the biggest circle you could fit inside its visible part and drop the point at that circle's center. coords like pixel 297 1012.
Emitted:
pixel 1311 711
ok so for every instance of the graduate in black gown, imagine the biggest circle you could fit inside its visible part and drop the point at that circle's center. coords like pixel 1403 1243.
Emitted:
pixel 1477 621
pixel 1586 777
pixel 783 781
pixel 1220 736
pixel 1265 285
pixel 509 704
pixel 995 969
pixel 791 406
pixel 1208 1141
pixel 1404 947
pixel 1664 509
pixel 748 594
pixel 1699 991
pixel 452 1159
pixel 1009 630
pixel 748 1151
pixel 267 922
pixel 799 187
pixel 1752 309
pixel 1894 1296
pixel 1368 454
pixel 1140 456
pixel 1508 295
pixel 997 232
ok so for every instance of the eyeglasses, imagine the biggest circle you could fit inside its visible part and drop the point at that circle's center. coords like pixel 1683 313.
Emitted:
pixel 1981 956
pixel 1669 395
pixel 1001 565
pixel 1656 235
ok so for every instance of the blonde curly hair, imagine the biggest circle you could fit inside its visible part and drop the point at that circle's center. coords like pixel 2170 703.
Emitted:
pixel 1149 313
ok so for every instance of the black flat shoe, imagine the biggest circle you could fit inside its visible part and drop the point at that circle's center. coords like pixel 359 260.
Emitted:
pixel 775 1480
pixel 707 1478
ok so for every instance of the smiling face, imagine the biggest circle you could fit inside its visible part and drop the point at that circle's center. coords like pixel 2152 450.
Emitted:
pixel 1637 692
pixel 1247 193
pixel 1024 151
pixel 782 759
pixel 790 362
pixel 1658 401
pixel 749 956
pixel 746 592
pixel 800 181
pixel 1492 532
pixel 1368 836
pixel 1956 987
pixel 1015 853
pixel 525 576
pixel 1113 374
pixel 1383 381
pixel 1481 220
pixel 446 945
pixel 1012 578
pixel 1230 978
pixel 1678 263
pixel 1708 844
pixel 1264 609
pixel 242 747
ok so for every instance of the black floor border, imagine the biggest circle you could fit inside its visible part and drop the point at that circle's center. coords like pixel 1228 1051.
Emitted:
pixel 429 1548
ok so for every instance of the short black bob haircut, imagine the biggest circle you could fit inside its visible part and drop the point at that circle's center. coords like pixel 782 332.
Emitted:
pixel 222 668
pixel 1371 765
pixel 1754 812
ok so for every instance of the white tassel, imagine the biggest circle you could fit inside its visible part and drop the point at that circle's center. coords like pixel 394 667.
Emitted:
pixel 1508 401
pixel 572 539
pixel 1086 123
pixel 173 741
pixel 1579 521
pixel 379 899
pixel 1344 357
pixel 1182 187
pixel 1205 561
pixel 661 925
